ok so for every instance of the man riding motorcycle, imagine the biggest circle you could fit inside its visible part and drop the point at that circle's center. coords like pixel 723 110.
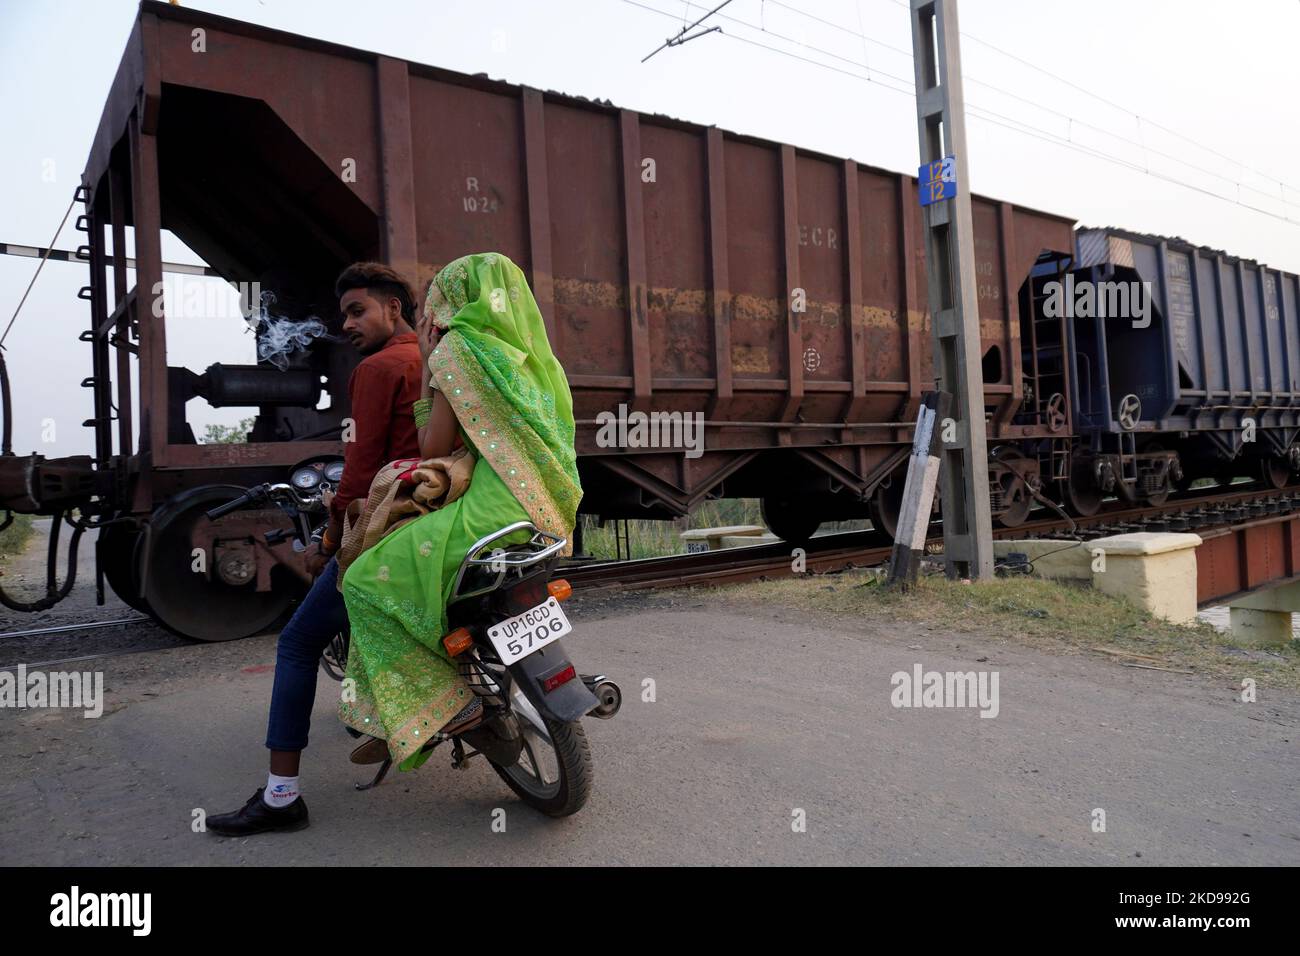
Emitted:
pixel 378 311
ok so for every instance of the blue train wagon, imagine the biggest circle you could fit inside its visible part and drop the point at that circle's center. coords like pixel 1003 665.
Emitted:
pixel 1185 365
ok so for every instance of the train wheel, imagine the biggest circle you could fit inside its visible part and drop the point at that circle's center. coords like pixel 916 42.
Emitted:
pixel 119 554
pixel 190 602
pixel 1080 493
pixel 1275 472
pixel 1159 497
pixel 887 504
pixel 1016 497
pixel 789 519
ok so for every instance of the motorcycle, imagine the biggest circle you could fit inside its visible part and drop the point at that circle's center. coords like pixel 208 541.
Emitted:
pixel 506 622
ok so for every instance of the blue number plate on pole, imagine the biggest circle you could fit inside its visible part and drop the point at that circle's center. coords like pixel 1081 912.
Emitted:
pixel 937 181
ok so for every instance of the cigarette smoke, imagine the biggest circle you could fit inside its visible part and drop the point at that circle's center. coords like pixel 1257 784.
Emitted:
pixel 278 336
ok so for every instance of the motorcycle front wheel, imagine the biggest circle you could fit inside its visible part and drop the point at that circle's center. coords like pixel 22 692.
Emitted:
pixel 553 774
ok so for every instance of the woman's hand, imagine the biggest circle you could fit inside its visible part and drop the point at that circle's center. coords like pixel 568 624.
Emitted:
pixel 438 437
pixel 427 335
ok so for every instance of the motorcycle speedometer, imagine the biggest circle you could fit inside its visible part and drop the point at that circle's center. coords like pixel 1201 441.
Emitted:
pixel 334 472
pixel 305 479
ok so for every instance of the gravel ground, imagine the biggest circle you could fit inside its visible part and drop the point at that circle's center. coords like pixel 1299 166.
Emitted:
pixel 25 578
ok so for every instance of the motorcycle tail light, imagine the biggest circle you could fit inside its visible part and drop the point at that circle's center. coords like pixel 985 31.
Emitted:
pixel 524 595
pixel 560 589
pixel 458 641
pixel 563 677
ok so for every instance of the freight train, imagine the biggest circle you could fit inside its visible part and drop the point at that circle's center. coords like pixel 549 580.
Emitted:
pixel 775 293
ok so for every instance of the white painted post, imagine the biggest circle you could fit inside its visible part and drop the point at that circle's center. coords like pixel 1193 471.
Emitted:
pixel 918 492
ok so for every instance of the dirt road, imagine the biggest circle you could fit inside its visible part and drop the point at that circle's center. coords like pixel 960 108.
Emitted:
pixel 762 717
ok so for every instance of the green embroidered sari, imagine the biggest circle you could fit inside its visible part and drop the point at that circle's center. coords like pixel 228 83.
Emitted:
pixel 495 366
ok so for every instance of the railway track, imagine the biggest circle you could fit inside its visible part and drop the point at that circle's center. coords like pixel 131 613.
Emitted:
pixel 1205 513
pixel 66 628
pixel 1208 512
pixel 83 641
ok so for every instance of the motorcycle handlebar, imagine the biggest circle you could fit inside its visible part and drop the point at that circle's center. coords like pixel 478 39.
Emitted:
pixel 234 505
pixel 281 494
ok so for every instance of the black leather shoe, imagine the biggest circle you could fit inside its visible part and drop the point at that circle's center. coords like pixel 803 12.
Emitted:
pixel 256 817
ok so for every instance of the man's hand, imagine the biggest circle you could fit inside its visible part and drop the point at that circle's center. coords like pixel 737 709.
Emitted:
pixel 316 559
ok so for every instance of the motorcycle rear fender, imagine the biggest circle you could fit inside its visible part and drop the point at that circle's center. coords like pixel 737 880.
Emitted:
pixel 567 702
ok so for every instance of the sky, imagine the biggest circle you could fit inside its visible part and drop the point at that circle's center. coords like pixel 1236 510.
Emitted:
pixel 1173 117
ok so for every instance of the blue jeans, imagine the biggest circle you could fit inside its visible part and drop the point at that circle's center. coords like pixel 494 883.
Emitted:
pixel 321 615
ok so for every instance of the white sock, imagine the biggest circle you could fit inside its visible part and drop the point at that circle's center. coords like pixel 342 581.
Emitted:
pixel 280 791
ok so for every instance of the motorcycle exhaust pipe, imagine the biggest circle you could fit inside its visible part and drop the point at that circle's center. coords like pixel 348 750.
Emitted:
pixel 605 691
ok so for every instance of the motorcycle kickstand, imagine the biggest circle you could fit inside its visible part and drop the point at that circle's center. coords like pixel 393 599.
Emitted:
pixel 459 759
pixel 383 770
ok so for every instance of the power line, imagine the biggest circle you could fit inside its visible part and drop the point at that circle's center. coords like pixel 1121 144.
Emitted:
pixel 1086 150
pixel 39 267
pixel 1101 99
pixel 1070 119
pixel 837 26
pixel 681 36
pixel 990 116
pixel 1138 116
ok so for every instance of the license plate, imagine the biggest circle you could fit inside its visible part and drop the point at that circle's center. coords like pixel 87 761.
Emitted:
pixel 519 636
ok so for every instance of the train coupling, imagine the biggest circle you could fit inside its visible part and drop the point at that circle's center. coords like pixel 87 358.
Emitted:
pixel 34 484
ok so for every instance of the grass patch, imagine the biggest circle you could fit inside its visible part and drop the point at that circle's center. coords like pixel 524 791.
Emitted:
pixel 1038 613
pixel 13 539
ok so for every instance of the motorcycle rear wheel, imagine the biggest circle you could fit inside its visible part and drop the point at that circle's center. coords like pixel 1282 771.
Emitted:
pixel 553 774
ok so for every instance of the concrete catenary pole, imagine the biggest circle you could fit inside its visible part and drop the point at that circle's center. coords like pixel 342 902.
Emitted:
pixel 944 194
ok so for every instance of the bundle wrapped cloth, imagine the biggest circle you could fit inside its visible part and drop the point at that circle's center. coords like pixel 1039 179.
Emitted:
pixel 402 491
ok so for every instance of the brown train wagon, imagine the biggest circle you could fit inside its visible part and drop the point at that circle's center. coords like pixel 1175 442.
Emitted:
pixel 666 257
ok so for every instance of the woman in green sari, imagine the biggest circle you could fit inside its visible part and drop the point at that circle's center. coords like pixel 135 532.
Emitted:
pixel 494 381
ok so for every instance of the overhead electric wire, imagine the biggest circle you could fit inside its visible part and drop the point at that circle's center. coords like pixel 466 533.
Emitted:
pixel 1071 119
pixel 681 36
pixel 39 267
pixel 991 116
pixel 1100 99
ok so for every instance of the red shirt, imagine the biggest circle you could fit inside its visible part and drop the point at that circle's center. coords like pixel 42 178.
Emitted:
pixel 382 390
